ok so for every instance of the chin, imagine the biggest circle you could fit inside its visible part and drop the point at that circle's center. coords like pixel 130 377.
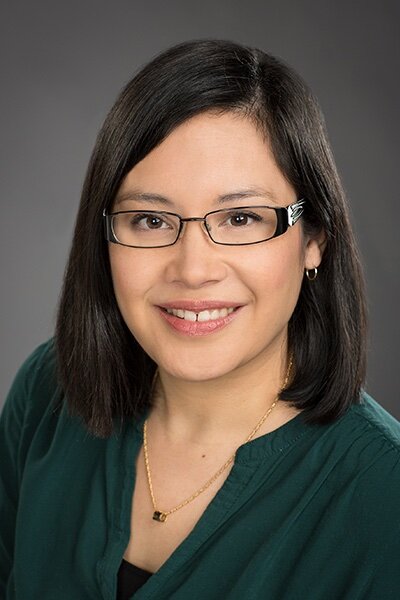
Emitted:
pixel 196 372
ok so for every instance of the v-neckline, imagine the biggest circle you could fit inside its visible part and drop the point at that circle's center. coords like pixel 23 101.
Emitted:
pixel 249 457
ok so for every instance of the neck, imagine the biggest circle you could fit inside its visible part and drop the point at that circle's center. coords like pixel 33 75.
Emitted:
pixel 199 412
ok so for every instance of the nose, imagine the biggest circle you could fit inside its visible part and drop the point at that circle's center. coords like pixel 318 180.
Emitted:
pixel 195 259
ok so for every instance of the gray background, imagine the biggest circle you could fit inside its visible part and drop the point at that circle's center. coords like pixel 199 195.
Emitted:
pixel 62 64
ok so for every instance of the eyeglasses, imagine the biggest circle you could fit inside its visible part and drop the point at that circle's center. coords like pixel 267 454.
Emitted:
pixel 230 227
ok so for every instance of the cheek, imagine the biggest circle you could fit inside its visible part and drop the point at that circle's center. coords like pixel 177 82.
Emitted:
pixel 131 276
pixel 277 274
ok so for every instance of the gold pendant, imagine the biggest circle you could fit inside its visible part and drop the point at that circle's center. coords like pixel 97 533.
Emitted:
pixel 159 516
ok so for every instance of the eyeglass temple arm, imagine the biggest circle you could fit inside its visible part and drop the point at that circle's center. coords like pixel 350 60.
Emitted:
pixel 109 233
pixel 294 212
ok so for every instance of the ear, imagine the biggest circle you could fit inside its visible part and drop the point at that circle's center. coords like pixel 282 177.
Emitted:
pixel 314 250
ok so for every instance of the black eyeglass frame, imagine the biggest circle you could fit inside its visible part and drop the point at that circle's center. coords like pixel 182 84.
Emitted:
pixel 287 216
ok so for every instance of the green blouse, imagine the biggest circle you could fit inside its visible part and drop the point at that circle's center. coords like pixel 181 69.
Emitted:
pixel 308 512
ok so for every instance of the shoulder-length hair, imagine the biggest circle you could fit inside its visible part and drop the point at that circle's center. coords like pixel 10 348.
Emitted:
pixel 104 373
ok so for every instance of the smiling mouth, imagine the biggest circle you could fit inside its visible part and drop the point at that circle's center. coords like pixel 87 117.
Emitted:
pixel 201 316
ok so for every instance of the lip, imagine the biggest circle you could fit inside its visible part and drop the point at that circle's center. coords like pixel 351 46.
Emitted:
pixel 199 305
pixel 197 328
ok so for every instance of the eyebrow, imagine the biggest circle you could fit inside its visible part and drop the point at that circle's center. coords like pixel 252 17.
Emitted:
pixel 152 198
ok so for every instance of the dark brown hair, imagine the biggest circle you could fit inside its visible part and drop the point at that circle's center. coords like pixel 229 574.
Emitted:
pixel 104 373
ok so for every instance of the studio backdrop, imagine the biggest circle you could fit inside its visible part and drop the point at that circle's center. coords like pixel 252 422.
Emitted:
pixel 62 65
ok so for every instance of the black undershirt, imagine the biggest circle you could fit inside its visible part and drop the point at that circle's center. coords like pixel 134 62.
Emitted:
pixel 130 579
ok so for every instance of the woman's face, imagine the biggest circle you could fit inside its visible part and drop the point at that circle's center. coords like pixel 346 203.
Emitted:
pixel 206 157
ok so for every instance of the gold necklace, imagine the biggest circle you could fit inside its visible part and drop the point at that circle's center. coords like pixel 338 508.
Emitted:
pixel 161 516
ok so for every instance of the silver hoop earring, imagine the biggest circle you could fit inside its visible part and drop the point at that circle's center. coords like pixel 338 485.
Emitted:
pixel 311 274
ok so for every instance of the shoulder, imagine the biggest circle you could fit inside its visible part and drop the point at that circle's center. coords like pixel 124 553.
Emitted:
pixel 29 404
pixel 369 438
pixel 39 363
pixel 380 424
pixel 359 456
pixel 366 434
pixel 38 371
pixel 373 435
pixel 31 396
pixel 370 455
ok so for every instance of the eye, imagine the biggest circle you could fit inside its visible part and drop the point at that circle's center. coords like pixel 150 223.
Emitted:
pixel 148 221
pixel 242 219
pixel 239 219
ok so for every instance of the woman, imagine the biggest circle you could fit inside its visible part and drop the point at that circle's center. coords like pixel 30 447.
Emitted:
pixel 197 428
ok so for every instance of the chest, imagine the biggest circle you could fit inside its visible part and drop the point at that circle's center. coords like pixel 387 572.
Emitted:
pixel 272 526
pixel 152 542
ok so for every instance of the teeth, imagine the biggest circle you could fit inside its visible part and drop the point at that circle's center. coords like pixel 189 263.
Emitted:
pixel 207 315
pixel 188 315
pixel 204 315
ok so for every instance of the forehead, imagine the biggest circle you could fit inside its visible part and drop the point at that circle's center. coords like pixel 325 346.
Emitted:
pixel 208 156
